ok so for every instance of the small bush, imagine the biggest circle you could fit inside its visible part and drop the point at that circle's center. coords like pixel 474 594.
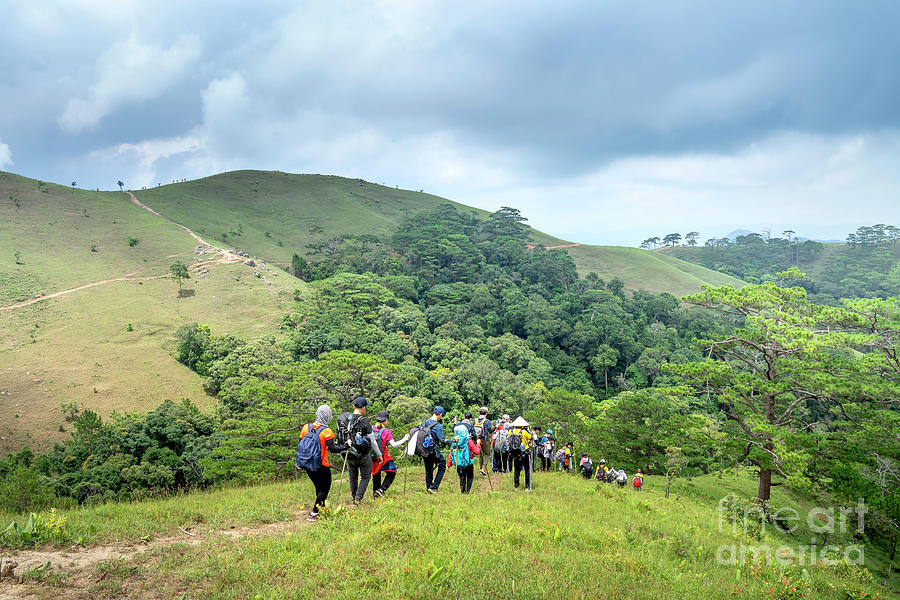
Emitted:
pixel 132 241
pixel 23 491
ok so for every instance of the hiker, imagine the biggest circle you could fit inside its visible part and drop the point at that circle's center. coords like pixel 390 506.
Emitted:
pixel 587 465
pixel 566 464
pixel 638 481
pixel 482 427
pixel 537 447
pixel 386 465
pixel 431 437
pixel 621 477
pixel 501 445
pixel 467 421
pixel 520 442
pixel 463 449
pixel 361 442
pixel 311 454
pixel 547 456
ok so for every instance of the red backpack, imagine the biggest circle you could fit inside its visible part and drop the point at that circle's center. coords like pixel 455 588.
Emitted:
pixel 638 480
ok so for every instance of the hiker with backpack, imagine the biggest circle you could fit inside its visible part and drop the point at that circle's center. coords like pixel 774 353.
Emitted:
pixel 463 449
pixel 481 426
pixel 566 464
pixel 621 477
pixel 357 430
pixel 520 442
pixel 500 442
pixel 430 437
pixel 316 440
pixel 547 456
pixel 386 465
pixel 537 447
pixel 587 466
pixel 638 481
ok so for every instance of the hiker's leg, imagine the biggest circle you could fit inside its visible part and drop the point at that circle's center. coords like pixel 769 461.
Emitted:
pixel 429 471
pixel 517 467
pixel 470 477
pixel 376 482
pixel 527 467
pixel 440 472
pixel 321 480
pixel 388 480
pixel 365 475
pixel 353 475
pixel 461 472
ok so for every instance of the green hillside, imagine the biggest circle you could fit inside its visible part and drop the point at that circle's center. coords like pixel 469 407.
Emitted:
pixel 295 210
pixel 77 347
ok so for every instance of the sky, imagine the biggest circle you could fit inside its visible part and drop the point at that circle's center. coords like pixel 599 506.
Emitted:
pixel 603 122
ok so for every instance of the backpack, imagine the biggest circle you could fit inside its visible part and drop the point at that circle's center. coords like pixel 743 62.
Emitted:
pixel 548 450
pixel 459 450
pixel 349 429
pixel 478 427
pixel 425 444
pixel 515 443
pixel 309 449
pixel 638 480
pixel 502 442
pixel 560 454
pixel 622 478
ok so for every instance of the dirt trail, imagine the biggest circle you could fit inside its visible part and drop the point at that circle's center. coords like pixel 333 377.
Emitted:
pixel 80 287
pixel 533 246
pixel 223 257
pixel 80 562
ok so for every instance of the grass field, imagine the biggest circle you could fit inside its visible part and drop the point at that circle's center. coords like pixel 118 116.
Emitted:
pixel 77 347
pixel 295 210
pixel 569 538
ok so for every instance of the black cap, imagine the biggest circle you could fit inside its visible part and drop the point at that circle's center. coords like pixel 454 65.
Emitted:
pixel 382 416
pixel 468 415
pixel 360 402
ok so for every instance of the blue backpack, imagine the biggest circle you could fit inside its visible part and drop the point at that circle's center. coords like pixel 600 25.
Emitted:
pixel 309 449
pixel 460 450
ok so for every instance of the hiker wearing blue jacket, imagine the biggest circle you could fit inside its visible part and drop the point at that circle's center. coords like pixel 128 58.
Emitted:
pixel 435 459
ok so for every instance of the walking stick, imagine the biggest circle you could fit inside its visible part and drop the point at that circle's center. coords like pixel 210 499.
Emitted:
pixel 343 465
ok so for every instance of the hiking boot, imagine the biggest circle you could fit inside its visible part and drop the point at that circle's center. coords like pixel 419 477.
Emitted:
pixel 431 491
pixel 379 494
pixel 483 472
pixel 313 517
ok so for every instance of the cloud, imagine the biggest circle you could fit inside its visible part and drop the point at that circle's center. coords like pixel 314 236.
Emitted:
pixel 131 70
pixel 5 155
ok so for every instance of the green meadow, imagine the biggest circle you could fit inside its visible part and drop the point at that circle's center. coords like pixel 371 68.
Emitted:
pixel 569 538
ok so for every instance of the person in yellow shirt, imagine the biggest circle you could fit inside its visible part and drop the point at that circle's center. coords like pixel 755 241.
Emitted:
pixel 520 441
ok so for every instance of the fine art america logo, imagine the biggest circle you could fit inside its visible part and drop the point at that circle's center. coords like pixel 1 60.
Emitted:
pixel 821 521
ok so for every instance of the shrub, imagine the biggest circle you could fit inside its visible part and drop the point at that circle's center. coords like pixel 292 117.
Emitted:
pixel 132 241
pixel 23 491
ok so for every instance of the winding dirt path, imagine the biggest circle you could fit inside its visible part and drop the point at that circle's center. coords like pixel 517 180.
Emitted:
pixel 224 257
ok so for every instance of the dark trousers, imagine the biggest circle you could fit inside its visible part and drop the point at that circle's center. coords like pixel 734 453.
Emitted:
pixel 431 480
pixel 466 476
pixel 321 480
pixel 388 480
pixel 520 462
pixel 545 463
pixel 360 474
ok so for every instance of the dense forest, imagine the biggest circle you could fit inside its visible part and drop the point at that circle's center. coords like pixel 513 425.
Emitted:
pixel 866 266
pixel 459 311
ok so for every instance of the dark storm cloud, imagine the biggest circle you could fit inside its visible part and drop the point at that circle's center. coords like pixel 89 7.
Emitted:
pixel 490 103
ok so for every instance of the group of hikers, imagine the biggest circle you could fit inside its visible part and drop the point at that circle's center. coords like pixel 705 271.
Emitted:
pixel 509 446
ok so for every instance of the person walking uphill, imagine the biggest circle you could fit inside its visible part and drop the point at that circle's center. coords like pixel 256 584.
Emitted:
pixel 314 452
pixel 482 427
pixel 357 429
pixel 386 465
pixel 520 451
pixel 430 439
pixel 463 451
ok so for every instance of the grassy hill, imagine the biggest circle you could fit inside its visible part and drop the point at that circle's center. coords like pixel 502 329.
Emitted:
pixel 569 538
pixel 77 347
pixel 280 213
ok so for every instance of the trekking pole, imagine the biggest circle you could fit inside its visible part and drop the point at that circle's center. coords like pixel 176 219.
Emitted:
pixel 343 465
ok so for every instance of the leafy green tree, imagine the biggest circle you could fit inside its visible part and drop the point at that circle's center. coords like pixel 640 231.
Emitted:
pixel 691 238
pixel 672 239
pixel 771 374
pixel 121 185
pixel 179 271
pixel 605 358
